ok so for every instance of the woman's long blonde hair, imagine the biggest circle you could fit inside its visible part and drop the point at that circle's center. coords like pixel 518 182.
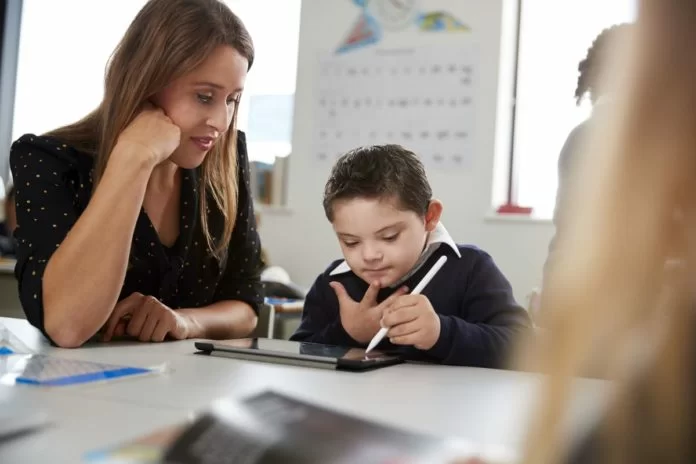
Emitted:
pixel 166 40
pixel 612 304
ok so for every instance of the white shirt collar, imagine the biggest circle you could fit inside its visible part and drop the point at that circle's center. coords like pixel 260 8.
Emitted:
pixel 436 238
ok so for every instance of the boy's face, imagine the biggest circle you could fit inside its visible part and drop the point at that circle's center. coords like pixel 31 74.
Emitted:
pixel 380 241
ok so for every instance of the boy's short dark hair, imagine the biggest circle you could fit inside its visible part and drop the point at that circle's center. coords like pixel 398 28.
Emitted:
pixel 379 171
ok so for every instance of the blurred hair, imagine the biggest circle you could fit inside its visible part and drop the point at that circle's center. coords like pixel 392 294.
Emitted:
pixel 610 302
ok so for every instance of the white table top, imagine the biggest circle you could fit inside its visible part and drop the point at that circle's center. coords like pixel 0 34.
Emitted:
pixel 80 423
pixel 486 407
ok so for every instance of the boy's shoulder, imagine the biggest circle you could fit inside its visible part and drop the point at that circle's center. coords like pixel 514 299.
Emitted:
pixel 441 242
pixel 469 252
pixel 466 259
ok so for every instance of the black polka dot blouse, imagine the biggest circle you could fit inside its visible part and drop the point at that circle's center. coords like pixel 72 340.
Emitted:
pixel 54 186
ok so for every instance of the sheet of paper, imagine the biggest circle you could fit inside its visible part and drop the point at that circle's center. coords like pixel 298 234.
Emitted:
pixel 421 98
pixel 10 344
pixel 51 371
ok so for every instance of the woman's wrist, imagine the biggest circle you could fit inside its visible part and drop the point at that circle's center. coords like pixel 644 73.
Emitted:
pixel 132 156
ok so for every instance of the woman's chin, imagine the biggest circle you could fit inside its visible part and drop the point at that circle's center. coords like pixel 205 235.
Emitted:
pixel 188 160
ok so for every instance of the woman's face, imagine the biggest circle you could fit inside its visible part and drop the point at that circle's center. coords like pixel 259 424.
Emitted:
pixel 202 103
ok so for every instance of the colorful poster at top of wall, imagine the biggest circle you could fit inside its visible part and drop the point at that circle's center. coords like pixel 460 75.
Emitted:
pixel 365 32
pixel 441 21
pixel 377 16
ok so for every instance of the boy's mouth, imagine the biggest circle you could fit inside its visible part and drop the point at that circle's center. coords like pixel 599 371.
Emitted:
pixel 376 271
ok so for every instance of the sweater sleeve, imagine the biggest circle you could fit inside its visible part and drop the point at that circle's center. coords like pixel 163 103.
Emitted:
pixel 489 322
pixel 45 204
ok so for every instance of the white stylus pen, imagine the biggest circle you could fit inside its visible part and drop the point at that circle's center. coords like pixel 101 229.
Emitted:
pixel 419 288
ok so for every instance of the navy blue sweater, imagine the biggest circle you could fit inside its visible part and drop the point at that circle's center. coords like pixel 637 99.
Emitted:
pixel 479 318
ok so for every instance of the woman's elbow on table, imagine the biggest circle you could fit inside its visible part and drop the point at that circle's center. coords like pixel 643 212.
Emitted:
pixel 65 333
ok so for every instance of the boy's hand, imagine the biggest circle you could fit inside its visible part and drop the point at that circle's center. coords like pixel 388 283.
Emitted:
pixel 412 321
pixel 361 319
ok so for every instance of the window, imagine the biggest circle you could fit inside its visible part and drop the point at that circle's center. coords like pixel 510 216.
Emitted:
pixel 267 104
pixel 61 64
pixel 60 70
pixel 554 37
pixel 10 14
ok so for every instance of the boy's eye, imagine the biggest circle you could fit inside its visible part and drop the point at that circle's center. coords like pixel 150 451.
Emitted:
pixel 391 238
pixel 350 244
pixel 203 98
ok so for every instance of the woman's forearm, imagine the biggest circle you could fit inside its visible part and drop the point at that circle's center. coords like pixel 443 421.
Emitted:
pixel 83 278
pixel 221 320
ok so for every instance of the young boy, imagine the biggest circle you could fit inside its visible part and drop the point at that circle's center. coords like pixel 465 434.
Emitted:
pixel 380 204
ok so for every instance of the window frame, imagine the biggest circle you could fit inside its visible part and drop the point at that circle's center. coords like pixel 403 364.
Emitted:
pixel 516 156
pixel 11 17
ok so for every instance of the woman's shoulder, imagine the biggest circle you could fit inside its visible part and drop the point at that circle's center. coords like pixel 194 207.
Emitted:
pixel 48 149
pixel 241 143
pixel 43 143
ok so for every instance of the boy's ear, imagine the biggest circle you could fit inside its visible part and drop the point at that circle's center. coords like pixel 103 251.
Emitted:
pixel 432 216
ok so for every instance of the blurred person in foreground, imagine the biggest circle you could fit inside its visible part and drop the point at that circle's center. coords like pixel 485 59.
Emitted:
pixel 611 306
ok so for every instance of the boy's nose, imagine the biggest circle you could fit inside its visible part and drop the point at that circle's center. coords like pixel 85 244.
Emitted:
pixel 371 254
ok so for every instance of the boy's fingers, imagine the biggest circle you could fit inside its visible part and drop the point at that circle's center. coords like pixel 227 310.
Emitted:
pixel 404 329
pixel 410 339
pixel 370 298
pixel 399 316
pixel 341 293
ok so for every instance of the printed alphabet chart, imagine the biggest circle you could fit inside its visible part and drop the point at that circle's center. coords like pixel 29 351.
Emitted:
pixel 418 97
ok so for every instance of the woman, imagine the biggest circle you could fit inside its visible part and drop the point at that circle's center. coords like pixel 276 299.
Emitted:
pixel 609 301
pixel 137 220
pixel 613 304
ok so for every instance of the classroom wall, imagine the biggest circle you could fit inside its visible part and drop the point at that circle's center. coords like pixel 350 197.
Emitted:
pixel 300 239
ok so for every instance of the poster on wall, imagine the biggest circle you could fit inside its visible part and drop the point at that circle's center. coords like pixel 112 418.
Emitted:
pixel 417 95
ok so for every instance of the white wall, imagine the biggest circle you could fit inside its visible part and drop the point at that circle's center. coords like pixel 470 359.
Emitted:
pixel 301 239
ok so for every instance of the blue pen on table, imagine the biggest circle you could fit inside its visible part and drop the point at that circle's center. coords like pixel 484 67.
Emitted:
pixel 419 288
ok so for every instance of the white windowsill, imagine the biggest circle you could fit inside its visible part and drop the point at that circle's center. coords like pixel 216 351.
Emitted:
pixel 493 216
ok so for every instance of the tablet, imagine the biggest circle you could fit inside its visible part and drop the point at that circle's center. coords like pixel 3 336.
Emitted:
pixel 299 353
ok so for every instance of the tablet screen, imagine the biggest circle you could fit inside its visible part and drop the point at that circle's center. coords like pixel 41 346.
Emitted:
pixel 300 349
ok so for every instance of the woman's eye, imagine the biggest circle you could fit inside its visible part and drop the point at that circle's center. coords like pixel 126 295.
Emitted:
pixel 203 98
